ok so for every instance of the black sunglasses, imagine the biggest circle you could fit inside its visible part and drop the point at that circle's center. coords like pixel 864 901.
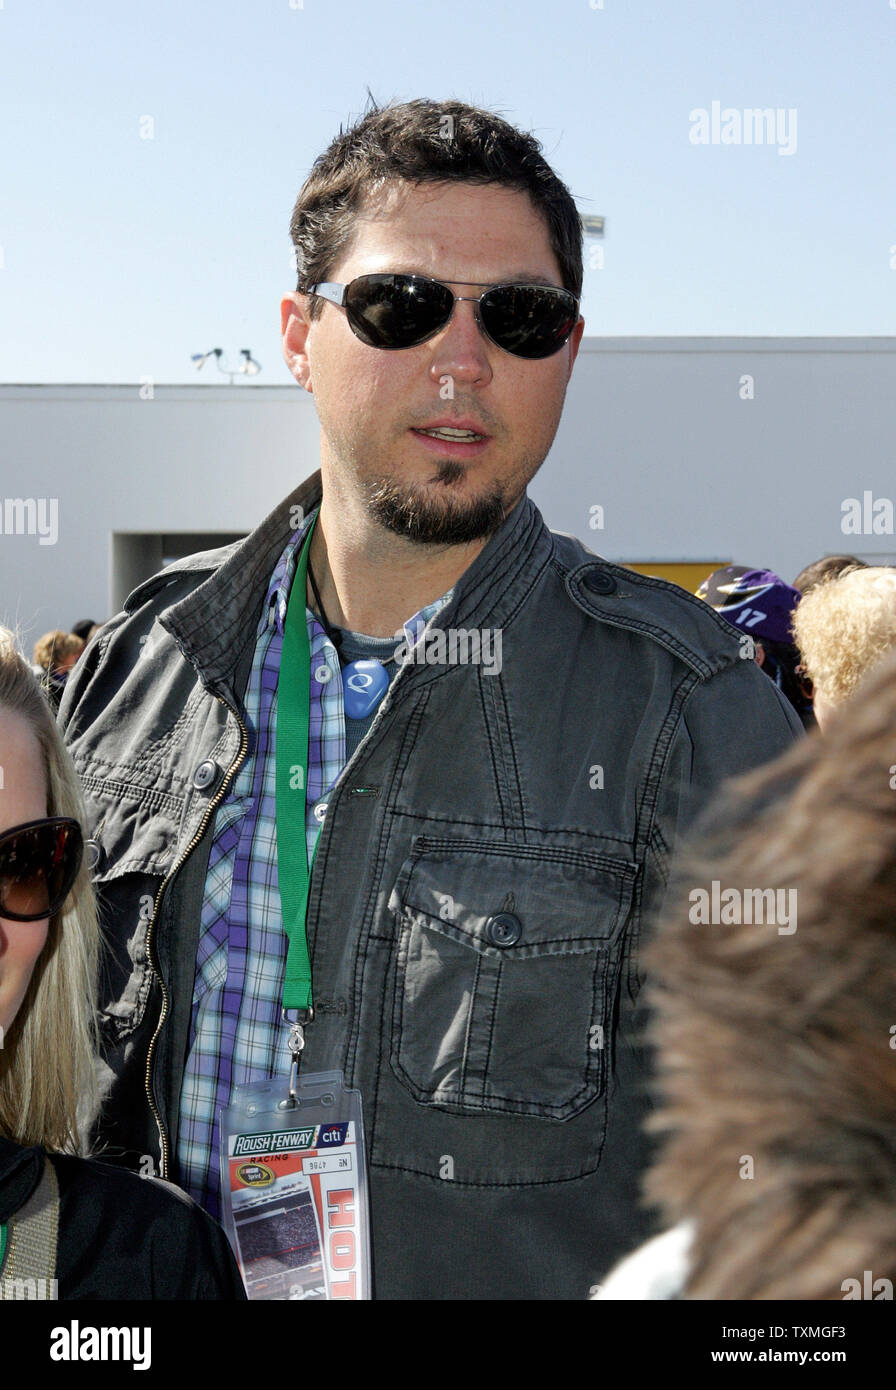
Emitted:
pixel 401 311
pixel 39 862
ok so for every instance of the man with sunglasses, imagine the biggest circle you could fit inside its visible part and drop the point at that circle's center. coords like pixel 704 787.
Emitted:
pixel 407 827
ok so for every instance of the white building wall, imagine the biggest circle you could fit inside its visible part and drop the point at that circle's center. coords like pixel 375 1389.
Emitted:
pixel 657 432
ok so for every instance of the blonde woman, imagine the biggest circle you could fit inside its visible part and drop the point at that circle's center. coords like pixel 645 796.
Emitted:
pixel 70 1227
pixel 843 628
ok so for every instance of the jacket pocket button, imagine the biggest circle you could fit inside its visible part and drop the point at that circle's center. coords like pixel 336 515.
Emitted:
pixel 504 929
pixel 205 774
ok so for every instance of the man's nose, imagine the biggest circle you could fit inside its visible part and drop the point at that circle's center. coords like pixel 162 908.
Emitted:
pixel 461 350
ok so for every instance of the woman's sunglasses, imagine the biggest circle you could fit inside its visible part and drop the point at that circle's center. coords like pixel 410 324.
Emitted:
pixel 401 311
pixel 39 862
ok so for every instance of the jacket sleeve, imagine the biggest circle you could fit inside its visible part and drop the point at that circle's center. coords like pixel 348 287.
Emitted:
pixel 206 1268
pixel 127 1237
pixel 731 723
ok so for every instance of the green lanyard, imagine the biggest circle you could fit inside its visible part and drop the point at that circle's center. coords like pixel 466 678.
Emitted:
pixel 2 1244
pixel 293 708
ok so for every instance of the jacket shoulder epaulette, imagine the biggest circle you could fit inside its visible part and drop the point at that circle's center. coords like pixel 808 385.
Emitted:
pixel 662 611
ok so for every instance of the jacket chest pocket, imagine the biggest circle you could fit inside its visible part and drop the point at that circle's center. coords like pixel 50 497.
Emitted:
pixel 505 975
pixel 132 834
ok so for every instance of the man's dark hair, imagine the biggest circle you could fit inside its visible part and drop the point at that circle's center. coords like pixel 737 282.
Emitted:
pixel 780 665
pixel 82 628
pixel 418 142
pixel 828 567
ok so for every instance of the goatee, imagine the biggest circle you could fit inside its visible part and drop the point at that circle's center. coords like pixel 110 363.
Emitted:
pixel 410 512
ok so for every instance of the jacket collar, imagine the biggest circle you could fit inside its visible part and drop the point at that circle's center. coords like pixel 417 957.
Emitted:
pixel 20 1172
pixel 217 620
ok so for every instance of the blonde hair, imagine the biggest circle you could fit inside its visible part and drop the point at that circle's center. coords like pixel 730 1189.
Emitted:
pixel 47 1073
pixel 843 628
pixel 55 647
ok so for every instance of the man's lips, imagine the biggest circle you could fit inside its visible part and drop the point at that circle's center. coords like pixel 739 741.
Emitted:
pixel 455 448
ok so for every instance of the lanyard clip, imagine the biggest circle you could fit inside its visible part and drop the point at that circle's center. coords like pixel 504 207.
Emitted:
pixel 296 1043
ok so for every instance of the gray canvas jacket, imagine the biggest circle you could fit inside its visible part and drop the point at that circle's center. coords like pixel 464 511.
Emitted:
pixel 484 869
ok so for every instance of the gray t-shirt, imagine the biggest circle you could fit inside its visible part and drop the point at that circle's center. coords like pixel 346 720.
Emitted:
pixel 354 647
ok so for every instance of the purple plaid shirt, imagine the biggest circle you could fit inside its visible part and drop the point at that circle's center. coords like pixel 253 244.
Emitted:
pixel 236 1033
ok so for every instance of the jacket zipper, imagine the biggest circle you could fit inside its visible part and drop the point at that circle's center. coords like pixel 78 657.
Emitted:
pixel 212 806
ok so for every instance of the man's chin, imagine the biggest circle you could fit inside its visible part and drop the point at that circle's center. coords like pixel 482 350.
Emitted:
pixel 435 517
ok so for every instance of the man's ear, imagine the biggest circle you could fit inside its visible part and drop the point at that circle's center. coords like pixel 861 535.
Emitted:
pixel 574 341
pixel 294 335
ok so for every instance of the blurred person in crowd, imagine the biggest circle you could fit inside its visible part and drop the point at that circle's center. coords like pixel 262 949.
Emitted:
pixel 760 605
pixel 481 833
pixel 54 656
pixel 97 1231
pixel 86 629
pixel 828 567
pixel 776 1071
pixel 843 628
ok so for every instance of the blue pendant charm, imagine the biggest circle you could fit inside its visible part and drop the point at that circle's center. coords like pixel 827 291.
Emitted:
pixel 364 683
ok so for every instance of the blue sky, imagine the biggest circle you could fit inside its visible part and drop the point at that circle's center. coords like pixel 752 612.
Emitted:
pixel 121 256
